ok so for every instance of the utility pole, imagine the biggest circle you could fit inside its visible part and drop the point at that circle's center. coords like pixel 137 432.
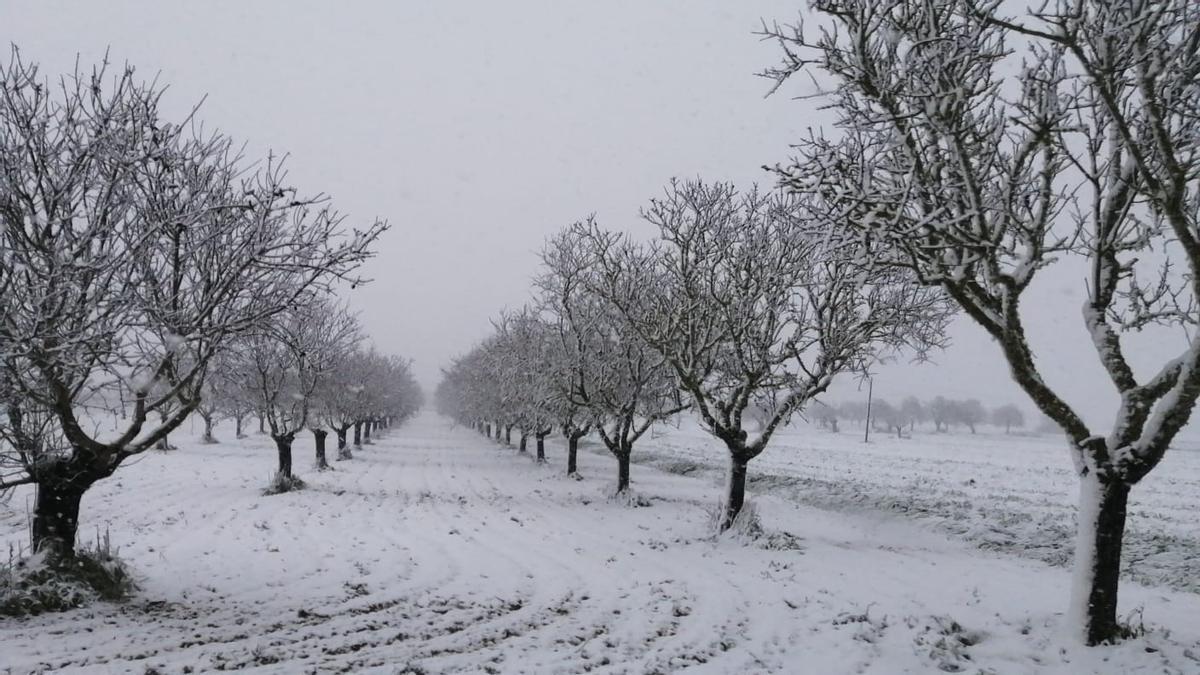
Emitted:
pixel 867 426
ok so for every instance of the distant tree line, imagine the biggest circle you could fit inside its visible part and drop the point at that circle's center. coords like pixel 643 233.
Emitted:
pixel 941 412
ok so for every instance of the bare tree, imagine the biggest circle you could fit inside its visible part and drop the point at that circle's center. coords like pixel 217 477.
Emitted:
pixel 226 392
pixel 751 307
pixel 887 417
pixel 942 412
pixel 825 415
pixel 612 376
pixel 976 186
pixel 970 412
pixel 1008 416
pixel 286 365
pixel 142 248
pixel 912 412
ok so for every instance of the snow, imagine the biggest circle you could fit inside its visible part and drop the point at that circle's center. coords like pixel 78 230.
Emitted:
pixel 1091 495
pixel 1016 494
pixel 437 550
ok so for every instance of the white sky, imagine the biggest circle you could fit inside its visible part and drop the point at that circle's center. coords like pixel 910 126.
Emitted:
pixel 479 128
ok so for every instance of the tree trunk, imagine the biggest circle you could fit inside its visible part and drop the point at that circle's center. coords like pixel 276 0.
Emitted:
pixel 736 494
pixel 487 430
pixel 284 445
pixel 622 470
pixel 1102 506
pixel 523 447
pixel 56 519
pixel 164 444
pixel 262 429
pixel 208 429
pixel 237 431
pixel 342 448
pixel 319 439
pixel 358 434
pixel 366 433
pixel 508 435
pixel 541 448
pixel 499 432
pixel 572 453
pixel 833 424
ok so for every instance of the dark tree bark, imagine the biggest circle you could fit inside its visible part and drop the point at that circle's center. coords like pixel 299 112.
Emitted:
pixel 572 453
pixel 622 470
pixel 508 435
pixel 736 497
pixel 237 431
pixel 283 444
pixel 56 519
pixel 499 432
pixel 358 434
pixel 319 441
pixel 541 448
pixel 343 449
pixel 1101 620
pixel 208 429
pixel 262 423
pixel 366 433
pixel 523 447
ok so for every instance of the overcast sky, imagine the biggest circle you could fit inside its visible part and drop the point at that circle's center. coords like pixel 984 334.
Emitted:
pixel 479 128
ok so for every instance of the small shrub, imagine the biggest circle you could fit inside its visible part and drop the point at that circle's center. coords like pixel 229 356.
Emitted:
pixel 31 585
pixel 281 483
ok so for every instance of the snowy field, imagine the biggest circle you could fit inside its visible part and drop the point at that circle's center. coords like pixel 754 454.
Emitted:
pixel 436 551
pixel 1015 494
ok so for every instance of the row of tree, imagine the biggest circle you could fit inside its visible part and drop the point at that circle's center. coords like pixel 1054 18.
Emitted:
pixel 739 309
pixel 970 151
pixel 309 370
pixel 143 260
pixel 911 411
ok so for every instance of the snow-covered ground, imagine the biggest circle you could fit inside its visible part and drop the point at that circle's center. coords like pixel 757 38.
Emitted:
pixel 1010 493
pixel 436 550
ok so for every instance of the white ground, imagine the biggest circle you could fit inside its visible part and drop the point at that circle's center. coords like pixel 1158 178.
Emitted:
pixel 436 550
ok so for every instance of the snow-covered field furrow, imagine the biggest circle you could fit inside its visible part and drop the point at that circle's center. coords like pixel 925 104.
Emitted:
pixel 436 550
pixel 1014 494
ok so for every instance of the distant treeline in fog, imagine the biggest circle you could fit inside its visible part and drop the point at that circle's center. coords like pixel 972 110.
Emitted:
pixel 939 414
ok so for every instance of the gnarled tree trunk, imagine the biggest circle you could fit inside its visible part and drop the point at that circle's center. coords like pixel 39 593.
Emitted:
pixel 208 429
pixel 283 445
pixel 735 489
pixel 358 434
pixel 343 449
pixel 56 518
pixel 319 441
pixel 572 453
pixel 622 470
pixel 1102 508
